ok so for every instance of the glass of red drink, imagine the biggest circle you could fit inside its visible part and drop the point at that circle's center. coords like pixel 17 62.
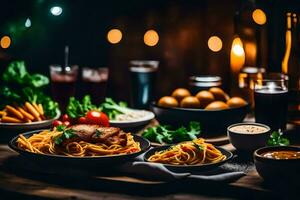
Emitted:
pixel 63 83
pixel 94 82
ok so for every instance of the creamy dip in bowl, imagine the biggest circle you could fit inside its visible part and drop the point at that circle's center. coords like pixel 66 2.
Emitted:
pixel 248 136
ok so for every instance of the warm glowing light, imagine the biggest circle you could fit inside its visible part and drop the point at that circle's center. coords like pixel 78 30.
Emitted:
pixel 238 50
pixel 151 38
pixel 56 10
pixel 214 43
pixel 28 23
pixel 114 36
pixel 250 52
pixel 237 55
pixel 5 42
pixel 259 16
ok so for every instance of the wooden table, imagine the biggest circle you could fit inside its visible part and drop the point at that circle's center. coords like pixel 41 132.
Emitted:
pixel 18 181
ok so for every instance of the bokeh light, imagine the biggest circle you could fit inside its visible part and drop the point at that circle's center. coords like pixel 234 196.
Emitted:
pixel 56 10
pixel 259 16
pixel 151 38
pixel 114 36
pixel 5 42
pixel 237 47
pixel 214 43
pixel 237 55
pixel 28 23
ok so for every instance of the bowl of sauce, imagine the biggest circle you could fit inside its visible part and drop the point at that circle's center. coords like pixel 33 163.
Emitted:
pixel 282 154
pixel 248 136
pixel 278 162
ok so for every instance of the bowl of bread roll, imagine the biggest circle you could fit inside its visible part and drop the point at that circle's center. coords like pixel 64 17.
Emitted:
pixel 213 108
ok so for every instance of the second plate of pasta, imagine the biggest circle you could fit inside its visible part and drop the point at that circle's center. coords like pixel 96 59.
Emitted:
pixel 191 155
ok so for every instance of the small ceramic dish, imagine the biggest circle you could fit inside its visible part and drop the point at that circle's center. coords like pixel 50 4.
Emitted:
pixel 248 136
pixel 270 168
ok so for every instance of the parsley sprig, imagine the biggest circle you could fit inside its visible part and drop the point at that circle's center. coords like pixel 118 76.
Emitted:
pixel 276 139
pixel 66 134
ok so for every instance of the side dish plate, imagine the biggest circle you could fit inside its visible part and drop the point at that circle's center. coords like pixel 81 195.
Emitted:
pixel 134 123
pixel 198 168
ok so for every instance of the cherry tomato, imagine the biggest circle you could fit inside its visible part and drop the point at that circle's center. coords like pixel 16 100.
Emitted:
pixel 96 117
pixel 82 120
pixel 65 117
pixel 66 123
pixel 56 123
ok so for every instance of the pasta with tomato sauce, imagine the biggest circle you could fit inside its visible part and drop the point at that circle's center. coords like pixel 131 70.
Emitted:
pixel 194 152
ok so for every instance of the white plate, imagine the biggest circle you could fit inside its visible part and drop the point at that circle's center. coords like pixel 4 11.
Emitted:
pixel 29 126
pixel 134 123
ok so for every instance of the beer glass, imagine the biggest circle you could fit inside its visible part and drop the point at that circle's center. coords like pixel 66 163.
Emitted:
pixel 271 101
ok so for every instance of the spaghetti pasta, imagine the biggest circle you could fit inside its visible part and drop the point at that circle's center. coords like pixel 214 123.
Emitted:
pixel 188 153
pixel 44 143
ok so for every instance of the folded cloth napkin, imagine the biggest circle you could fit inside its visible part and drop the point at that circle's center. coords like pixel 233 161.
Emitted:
pixel 160 172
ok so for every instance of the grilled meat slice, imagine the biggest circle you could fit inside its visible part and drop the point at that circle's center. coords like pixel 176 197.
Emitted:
pixel 119 139
pixel 98 134
pixel 103 133
pixel 85 131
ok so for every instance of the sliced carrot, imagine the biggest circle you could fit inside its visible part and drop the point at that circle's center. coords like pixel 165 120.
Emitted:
pixel 32 110
pixel 26 114
pixel 41 109
pixel 14 112
pixel 10 119
pixel 36 107
pixel 3 113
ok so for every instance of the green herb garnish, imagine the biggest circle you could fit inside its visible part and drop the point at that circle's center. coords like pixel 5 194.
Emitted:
pixel 112 109
pixel 169 135
pixel 98 133
pixel 198 147
pixel 276 139
pixel 76 109
pixel 66 134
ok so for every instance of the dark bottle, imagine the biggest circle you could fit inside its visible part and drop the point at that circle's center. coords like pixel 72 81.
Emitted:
pixel 291 64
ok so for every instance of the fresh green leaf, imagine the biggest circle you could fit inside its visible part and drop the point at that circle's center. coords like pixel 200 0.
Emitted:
pixel 98 133
pixel 15 72
pixel 66 134
pixel 61 128
pixel 167 134
pixel 276 139
pixel 7 96
pixel 199 147
pixel 76 109
pixel 112 109
pixel 38 80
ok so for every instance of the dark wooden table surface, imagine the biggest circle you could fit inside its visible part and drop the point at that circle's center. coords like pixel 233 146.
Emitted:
pixel 19 180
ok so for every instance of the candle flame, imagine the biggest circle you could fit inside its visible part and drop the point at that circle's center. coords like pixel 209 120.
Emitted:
pixel 237 55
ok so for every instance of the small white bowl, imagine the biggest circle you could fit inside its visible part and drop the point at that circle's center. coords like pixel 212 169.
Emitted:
pixel 248 141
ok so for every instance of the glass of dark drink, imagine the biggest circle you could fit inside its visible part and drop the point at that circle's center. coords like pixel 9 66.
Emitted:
pixel 63 81
pixel 143 78
pixel 271 102
pixel 94 82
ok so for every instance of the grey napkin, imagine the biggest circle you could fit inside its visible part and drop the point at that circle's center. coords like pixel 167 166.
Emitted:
pixel 160 172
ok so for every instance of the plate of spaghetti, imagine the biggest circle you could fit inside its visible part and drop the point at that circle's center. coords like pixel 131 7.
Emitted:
pixel 80 145
pixel 191 155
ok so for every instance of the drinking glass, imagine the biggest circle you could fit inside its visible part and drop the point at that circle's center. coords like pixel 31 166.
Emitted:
pixel 94 81
pixel 271 101
pixel 143 78
pixel 63 81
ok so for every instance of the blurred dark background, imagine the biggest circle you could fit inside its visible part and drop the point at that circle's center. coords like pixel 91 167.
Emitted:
pixel 183 27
